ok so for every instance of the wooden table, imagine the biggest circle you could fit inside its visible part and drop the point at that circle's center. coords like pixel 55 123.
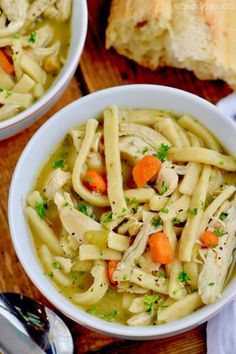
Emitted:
pixel 98 69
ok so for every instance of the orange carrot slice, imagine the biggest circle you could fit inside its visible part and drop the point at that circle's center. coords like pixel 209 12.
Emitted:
pixel 111 266
pixel 209 239
pixel 5 63
pixel 160 248
pixel 146 169
pixel 95 182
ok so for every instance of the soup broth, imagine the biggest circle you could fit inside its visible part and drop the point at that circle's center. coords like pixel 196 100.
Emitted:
pixel 133 216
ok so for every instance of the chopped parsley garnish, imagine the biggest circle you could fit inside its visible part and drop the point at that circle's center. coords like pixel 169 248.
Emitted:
pixel 15 36
pixel 93 310
pixel 156 222
pixel 58 164
pixel 221 163
pixel 161 153
pixel 149 301
pixel 65 204
pixel 89 180
pixel 50 274
pixel 74 276
pixel 183 277
pixel 8 94
pixel 223 216
pixel 164 188
pixel 176 221
pixel 41 208
pixel 56 265
pixel 218 233
pixel 83 208
pixel 110 316
pixel 144 150
pixel 160 274
pixel 127 199
pixel 192 212
pixel 1 90
pixel 125 277
pixel 164 210
pixel 211 284
pixel 32 37
pixel 107 218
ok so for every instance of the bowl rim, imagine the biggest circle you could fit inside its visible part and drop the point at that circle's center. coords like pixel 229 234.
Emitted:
pixel 60 302
pixel 57 85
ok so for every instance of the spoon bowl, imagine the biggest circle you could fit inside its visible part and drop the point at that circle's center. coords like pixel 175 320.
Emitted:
pixel 36 323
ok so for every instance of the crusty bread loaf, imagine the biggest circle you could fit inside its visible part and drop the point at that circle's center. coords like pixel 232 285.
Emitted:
pixel 199 35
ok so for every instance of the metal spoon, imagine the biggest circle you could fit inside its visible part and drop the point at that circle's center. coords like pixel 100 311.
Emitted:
pixel 27 326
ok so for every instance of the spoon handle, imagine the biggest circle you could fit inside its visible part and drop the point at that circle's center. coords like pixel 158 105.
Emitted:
pixel 13 341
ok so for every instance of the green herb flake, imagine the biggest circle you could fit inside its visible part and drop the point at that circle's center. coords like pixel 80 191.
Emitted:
pixel 93 310
pixel 89 180
pixel 58 164
pixel 144 151
pixel 56 265
pixel 127 199
pixel 149 301
pixel 156 222
pixel 125 277
pixel 50 274
pixel 164 210
pixel 83 208
pixel 176 221
pixel 160 274
pixel 192 212
pixel 164 188
pixel 107 218
pixel 15 36
pixel 218 233
pixel 1 90
pixel 221 163
pixel 223 216
pixel 74 276
pixel 32 37
pixel 8 94
pixel 41 208
pixel 110 316
pixel 211 284
pixel 161 153
pixel 183 277
pixel 65 204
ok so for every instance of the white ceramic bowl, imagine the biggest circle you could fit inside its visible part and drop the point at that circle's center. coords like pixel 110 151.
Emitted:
pixel 51 133
pixel 14 125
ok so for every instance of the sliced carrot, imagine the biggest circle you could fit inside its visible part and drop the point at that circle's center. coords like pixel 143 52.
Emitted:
pixel 160 248
pixel 146 169
pixel 209 239
pixel 5 63
pixel 111 266
pixel 95 182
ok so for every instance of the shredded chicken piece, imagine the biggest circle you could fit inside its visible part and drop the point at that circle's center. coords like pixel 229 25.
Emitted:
pixel 167 180
pixel 60 11
pixel 217 261
pixel 149 135
pixel 133 148
pixel 55 181
pixel 147 264
pixel 74 222
pixel 37 8
pixel 15 12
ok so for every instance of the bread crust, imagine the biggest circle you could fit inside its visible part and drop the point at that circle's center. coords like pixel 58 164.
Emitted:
pixel 155 33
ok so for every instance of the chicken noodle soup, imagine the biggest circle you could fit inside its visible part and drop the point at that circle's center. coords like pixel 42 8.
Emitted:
pixel 133 216
pixel 33 49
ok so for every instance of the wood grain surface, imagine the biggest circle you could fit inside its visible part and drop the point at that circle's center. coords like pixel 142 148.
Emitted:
pixel 98 69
